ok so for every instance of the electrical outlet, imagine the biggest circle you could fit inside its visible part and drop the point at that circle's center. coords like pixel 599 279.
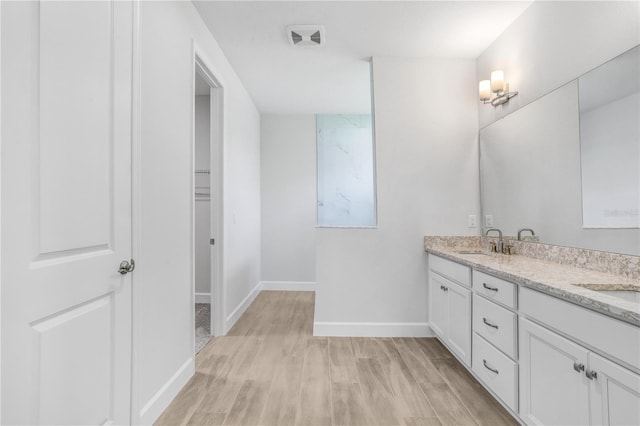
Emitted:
pixel 488 220
pixel 471 221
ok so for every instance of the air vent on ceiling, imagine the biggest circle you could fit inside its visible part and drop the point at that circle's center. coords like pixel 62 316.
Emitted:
pixel 306 35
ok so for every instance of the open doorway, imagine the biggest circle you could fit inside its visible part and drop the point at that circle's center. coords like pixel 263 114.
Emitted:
pixel 207 205
pixel 202 198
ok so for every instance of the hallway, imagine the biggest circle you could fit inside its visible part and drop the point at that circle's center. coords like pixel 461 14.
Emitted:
pixel 270 370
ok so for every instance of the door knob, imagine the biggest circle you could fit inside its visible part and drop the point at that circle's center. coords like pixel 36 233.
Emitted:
pixel 126 267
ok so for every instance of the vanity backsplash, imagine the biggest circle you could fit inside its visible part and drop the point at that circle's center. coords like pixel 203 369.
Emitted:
pixel 611 263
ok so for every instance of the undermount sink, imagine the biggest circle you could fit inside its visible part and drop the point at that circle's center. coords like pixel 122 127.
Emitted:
pixel 473 252
pixel 621 292
pixel 629 295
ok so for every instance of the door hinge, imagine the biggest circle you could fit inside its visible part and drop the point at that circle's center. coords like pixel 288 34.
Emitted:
pixel 212 241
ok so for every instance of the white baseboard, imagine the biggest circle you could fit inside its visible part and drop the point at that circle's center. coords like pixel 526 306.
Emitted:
pixel 203 297
pixel 430 332
pixel 239 310
pixel 288 285
pixel 161 400
pixel 372 329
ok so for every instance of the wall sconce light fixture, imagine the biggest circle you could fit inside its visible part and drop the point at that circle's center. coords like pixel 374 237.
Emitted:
pixel 498 86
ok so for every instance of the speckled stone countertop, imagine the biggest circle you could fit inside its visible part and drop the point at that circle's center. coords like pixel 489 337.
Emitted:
pixel 563 281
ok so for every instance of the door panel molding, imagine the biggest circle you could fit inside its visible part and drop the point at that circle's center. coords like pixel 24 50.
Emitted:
pixel 53 364
pixel 75 119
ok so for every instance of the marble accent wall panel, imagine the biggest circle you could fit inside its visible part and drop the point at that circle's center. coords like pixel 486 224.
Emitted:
pixel 346 194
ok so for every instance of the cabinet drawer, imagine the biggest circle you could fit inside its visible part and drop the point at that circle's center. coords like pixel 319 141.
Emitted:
pixel 495 289
pixel 452 270
pixel 496 371
pixel 607 335
pixel 496 324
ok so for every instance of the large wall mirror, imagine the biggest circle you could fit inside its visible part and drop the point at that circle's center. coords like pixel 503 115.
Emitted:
pixel 568 164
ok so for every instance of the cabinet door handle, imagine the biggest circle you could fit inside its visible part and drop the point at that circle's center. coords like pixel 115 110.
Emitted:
pixel 591 374
pixel 488 323
pixel 489 288
pixel 578 367
pixel 484 361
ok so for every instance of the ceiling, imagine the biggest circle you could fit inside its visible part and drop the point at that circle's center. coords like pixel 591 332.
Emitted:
pixel 283 79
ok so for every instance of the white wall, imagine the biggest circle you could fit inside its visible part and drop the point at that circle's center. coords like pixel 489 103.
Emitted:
pixel 374 281
pixel 288 184
pixel 554 42
pixel 163 335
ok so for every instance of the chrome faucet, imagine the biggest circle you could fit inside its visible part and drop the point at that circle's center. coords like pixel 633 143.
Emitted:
pixel 520 231
pixel 500 247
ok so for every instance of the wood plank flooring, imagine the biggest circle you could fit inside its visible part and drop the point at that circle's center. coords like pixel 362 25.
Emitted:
pixel 271 370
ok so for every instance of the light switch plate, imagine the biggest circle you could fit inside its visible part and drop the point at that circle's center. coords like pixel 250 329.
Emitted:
pixel 471 221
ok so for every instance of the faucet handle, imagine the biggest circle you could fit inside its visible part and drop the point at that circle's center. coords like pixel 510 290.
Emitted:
pixel 493 248
pixel 507 249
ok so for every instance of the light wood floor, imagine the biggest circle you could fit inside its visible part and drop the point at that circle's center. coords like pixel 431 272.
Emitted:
pixel 270 370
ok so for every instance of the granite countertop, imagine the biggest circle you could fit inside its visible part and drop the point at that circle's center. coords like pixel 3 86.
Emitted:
pixel 563 281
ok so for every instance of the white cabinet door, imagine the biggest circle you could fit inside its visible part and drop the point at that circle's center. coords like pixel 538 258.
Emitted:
pixel 438 305
pixel 459 321
pixel 450 315
pixel 553 385
pixel 614 393
pixel 66 212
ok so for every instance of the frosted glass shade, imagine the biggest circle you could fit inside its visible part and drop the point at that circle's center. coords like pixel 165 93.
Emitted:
pixel 497 81
pixel 485 90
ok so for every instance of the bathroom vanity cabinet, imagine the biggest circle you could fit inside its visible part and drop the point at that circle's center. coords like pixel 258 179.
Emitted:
pixel 564 376
pixel 545 359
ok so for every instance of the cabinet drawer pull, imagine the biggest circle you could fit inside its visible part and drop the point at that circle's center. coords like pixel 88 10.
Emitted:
pixel 591 374
pixel 484 361
pixel 489 288
pixel 578 367
pixel 488 323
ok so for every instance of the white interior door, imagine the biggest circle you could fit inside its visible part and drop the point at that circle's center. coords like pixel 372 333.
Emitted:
pixel 66 212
